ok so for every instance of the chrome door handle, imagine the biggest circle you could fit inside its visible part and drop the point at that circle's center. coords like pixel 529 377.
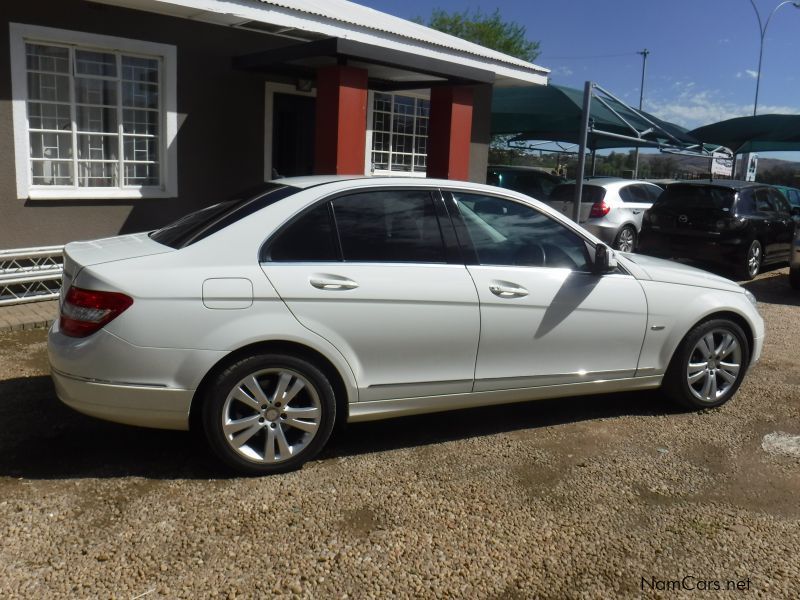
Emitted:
pixel 504 289
pixel 332 282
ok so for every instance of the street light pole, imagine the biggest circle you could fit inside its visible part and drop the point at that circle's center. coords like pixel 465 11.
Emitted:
pixel 644 54
pixel 762 30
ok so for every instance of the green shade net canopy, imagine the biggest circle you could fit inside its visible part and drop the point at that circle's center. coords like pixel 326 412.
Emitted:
pixel 553 112
pixel 762 133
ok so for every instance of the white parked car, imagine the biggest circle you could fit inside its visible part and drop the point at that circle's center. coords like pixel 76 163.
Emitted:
pixel 611 208
pixel 319 300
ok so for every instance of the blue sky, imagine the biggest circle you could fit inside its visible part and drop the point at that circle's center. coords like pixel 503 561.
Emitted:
pixel 703 53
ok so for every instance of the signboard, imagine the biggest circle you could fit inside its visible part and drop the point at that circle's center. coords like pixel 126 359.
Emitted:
pixel 752 167
pixel 722 164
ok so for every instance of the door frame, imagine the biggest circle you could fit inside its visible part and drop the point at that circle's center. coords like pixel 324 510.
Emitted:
pixel 270 89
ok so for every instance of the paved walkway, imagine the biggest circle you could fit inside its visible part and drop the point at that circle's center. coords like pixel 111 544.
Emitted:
pixel 31 315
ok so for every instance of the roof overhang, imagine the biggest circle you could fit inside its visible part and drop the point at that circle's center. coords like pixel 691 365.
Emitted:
pixel 300 20
pixel 387 69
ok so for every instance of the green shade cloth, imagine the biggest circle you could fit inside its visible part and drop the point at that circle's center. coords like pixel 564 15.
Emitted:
pixel 553 112
pixel 762 133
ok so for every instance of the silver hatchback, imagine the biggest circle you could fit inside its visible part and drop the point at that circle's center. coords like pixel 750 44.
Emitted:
pixel 611 208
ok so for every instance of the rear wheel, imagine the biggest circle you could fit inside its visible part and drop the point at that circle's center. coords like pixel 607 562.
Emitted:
pixel 794 277
pixel 751 264
pixel 709 365
pixel 268 413
pixel 626 239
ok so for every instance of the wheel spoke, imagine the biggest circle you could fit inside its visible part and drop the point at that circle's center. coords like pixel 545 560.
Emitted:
pixel 708 343
pixel 242 396
pixel 241 439
pixel 308 426
pixel 283 445
pixel 305 412
pixel 297 386
pixel 255 389
pixel 728 348
pixel 712 393
pixel 697 376
pixel 269 446
pixel 707 387
pixel 236 425
pixel 283 383
pixel 729 377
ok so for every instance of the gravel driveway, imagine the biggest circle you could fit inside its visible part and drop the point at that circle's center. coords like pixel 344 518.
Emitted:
pixel 601 497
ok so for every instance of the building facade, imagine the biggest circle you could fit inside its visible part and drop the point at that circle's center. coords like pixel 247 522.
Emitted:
pixel 120 116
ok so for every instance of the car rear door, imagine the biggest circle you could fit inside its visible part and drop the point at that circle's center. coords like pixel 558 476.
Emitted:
pixel 545 319
pixel 375 273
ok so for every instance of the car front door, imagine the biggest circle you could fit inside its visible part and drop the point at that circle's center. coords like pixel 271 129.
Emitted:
pixel 545 318
pixel 374 274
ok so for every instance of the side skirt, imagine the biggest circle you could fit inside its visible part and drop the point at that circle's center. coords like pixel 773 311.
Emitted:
pixel 386 409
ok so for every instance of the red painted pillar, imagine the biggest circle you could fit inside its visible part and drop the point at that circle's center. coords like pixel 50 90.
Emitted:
pixel 450 132
pixel 341 121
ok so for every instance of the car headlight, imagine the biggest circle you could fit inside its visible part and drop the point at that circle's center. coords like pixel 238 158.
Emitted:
pixel 749 295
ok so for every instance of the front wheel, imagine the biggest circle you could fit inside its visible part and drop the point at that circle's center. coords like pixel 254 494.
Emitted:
pixel 268 413
pixel 709 365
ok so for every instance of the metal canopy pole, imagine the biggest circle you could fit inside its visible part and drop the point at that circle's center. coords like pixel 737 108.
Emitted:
pixel 584 135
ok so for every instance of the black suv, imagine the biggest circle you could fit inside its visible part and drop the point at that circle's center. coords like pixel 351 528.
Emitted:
pixel 532 181
pixel 737 224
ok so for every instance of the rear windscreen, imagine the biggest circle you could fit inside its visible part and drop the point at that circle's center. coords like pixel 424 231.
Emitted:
pixel 685 197
pixel 202 223
pixel 566 193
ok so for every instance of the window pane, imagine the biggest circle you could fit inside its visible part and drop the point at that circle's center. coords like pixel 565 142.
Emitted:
pixel 512 234
pixel 380 160
pixel 51 88
pixel 401 162
pixel 97 174
pixel 96 118
pixel 139 95
pixel 403 124
pixel 47 58
pixel 403 143
pixel 49 116
pixel 51 145
pixel 141 174
pixel 98 147
pixel 309 238
pixel 140 121
pixel 383 102
pixel 423 108
pixel 48 172
pixel 140 69
pixel 390 226
pixel 380 141
pixel 95 63
pixel 95 91
pixel 404 105
pixel 420 164
pixel 140 148
pixel 380 121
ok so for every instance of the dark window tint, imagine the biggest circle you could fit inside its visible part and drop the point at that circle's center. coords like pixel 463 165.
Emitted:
pixel 635 193
pixel 747 204
pixel 566 193
pixel 763 200
pixel 389 226
pixel 504 232
pixel 794 197
pixel 537 184
pixel 652 192
pixel 779 201
pixel 202 223
pixel 688 197
pixel 309 238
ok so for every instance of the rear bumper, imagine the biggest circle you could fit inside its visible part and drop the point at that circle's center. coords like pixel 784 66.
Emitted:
pixel 144 406
pixel 606 232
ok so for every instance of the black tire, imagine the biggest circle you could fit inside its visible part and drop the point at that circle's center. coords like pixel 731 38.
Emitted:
pixel 265 416
pixel 676 383
pixel 794 277
pixel 625 235
pixel 751 261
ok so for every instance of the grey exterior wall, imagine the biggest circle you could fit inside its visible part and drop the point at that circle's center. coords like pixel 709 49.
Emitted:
pixel 221 123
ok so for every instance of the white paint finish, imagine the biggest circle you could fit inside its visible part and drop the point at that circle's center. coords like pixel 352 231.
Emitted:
pixel 19 34
pixel 781 443
pixel 658 269
pixel 403 325
pixel 570 327
pixel 351 21
pixel 228 293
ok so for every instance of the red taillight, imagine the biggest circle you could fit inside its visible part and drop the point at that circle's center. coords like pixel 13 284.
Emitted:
pixel 87 311
pixel 599 209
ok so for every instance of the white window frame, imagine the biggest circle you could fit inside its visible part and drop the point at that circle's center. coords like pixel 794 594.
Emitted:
pixel 20 34
pixel 368 170
pixel 270 89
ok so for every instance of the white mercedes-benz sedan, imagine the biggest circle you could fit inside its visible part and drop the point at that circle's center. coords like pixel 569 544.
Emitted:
pixel 264 321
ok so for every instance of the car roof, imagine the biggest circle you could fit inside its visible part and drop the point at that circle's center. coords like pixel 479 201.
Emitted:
pixel 358 181
pixel 602 181
pixel 733 184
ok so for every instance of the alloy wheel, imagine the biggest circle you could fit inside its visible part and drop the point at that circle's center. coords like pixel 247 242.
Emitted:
pixel 271 415
pixel 753 259
pixel 714 365
pixel 626 240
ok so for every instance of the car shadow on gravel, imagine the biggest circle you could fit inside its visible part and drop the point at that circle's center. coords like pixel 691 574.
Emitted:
pixel 43 439
pixel 774 289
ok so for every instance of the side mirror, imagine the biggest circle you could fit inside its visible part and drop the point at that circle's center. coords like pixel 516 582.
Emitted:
pixel 604 260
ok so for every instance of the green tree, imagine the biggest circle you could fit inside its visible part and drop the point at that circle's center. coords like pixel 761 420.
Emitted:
pixel 486 29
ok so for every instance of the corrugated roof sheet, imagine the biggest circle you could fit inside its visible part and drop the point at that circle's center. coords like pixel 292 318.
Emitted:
pixel 369 18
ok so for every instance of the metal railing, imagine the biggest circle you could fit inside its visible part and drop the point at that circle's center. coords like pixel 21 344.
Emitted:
pixel 30 274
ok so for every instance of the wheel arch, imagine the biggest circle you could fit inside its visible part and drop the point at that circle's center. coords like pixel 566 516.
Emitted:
pixel 340 388
pixel 720 314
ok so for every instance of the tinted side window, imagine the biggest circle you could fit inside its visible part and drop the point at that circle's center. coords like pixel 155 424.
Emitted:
pixel 779 201
pixel 309 238
pixel 389 226
pixel 746 205
pixel 507 233
pixel 653 192
pixel 627 195
pixel 794 197
pixel 763 200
